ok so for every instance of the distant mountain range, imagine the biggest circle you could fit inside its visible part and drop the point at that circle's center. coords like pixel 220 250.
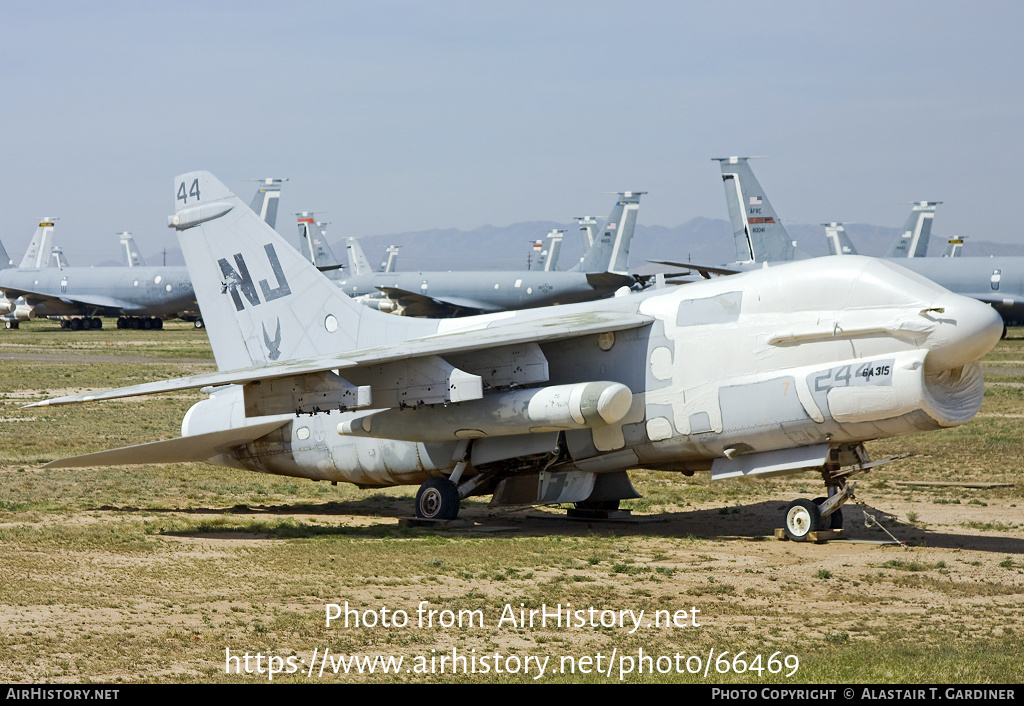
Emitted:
pixel 705 241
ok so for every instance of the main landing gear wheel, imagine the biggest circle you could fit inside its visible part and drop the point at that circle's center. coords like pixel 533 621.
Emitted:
pixel 598 505
pixel 802 518
pixel 438 499
pixel 835 520
pixel 198 323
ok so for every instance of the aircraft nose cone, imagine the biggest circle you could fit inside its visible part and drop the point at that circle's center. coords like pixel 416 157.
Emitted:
pixel 967 329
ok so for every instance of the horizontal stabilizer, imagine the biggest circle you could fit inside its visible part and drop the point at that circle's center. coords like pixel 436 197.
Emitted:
pixel 610 279
pixel 416 304
pixel 704 270
pixel 181 450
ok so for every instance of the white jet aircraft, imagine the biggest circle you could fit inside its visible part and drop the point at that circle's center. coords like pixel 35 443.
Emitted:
pixel 769 372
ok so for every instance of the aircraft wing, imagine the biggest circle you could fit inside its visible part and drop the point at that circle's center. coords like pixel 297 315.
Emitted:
pixel 610 279
pixel 497 333
pixel 416 304
pixel 704 270
pixel 995 298
pixel 92 300
pixel 196 448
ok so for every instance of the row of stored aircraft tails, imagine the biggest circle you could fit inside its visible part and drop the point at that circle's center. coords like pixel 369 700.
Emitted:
pixel 45 286
pixel 143 297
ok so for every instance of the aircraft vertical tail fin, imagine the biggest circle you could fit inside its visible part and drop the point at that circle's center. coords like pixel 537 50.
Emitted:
pixel 266 200
pixel 610 251
pixel 357 262
pixel 5 260
pixel 955 247
pixel 550 256
pixel 758 234
pixel 313 242
pixel 38 253
pixel 57 257
pixel 913 239
pixel 261 300
pixel 388 265
pixel 588 231
pixel 536 260
pixel 132 255
pixel 838 241
pixel 544 253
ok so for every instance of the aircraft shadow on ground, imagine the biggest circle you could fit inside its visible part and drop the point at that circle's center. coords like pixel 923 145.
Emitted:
pixel 751 522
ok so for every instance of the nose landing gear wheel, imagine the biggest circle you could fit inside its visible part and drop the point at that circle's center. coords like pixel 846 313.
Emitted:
pixel 802 518
pixel 437 499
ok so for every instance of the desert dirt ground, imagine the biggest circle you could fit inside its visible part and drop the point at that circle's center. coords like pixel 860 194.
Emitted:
pixel 168 573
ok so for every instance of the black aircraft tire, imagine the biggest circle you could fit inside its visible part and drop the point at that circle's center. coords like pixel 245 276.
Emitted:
pixel 438 499
pixel 198 323
pixel 598 505
pixel 835 520
pixel 802 517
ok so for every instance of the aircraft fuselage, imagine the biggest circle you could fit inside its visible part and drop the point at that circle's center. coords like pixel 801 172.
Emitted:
pixel 758 373
pixel 110 291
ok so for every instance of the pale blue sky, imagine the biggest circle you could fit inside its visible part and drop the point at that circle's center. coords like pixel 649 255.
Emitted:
pixel 395 116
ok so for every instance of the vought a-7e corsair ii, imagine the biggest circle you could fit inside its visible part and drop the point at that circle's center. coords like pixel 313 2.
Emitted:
pixel 769 372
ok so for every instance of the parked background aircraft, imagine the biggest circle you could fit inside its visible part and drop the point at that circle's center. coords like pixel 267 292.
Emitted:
pixel 761 239
pixel 40 253
pixel 544 253
pixel 357 262
pixel 838 241
pixel 6 305
pixel 140 296
pixel 602 271
pixel 955 247
pixel 913 239
pixel 132 256
pixel 313 243
pixel 556 404
pixel 37 255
